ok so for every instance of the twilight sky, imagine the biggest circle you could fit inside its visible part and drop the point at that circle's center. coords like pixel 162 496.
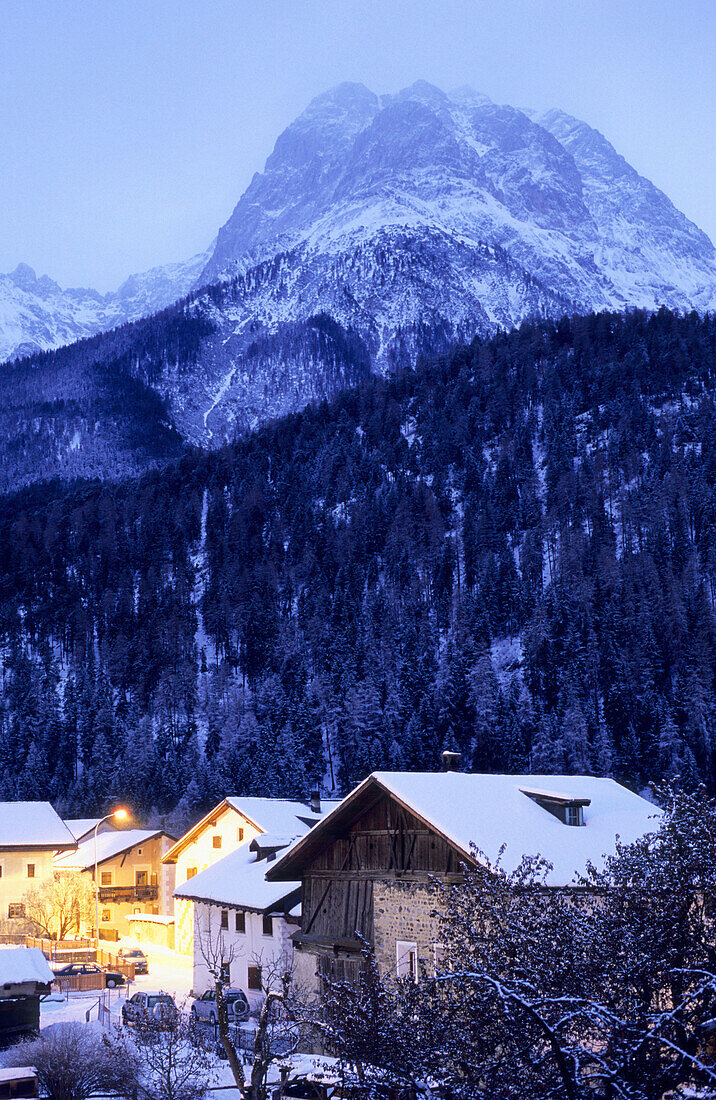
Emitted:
pixel 129 128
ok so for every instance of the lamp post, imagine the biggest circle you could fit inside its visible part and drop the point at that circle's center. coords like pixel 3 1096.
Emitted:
pixel 119 815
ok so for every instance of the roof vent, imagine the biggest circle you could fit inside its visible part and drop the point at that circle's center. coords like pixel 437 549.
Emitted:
pixel 451 760
pixel 315 802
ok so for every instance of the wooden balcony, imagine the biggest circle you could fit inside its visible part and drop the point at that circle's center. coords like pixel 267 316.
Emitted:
pixel 119 894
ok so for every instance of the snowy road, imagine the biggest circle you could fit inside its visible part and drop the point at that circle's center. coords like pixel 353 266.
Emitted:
pixel 168 971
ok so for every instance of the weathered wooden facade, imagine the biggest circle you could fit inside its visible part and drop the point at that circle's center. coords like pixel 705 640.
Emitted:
pixel 368 871
pixel 369 878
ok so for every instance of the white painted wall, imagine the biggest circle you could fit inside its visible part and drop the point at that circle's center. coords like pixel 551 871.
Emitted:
pixel 14 880
pixel 251 948
pixel 200 853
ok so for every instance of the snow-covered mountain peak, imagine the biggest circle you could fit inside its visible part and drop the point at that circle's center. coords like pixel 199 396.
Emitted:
pixel 37 314
pixel 548 189
pixel 380 230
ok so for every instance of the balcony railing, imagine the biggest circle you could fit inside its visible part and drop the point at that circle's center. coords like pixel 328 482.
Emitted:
pixel 128 893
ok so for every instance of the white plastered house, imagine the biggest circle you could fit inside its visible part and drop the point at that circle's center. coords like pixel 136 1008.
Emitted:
pixel 246 919
pixel 30 835
pixel 232 825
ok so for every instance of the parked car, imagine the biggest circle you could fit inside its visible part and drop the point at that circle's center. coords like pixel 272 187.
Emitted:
pixel 237 1005
pixel 112 977
pixel 134 955
pixel 145 1006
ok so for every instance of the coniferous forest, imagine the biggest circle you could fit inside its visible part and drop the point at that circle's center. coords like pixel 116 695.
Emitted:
pixel 509 551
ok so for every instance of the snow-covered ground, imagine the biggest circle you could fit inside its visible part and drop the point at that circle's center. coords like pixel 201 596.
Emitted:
pixel 168 972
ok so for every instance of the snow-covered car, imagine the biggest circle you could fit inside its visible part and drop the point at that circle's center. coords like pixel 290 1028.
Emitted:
pixel 237 1006
pixel 146 1006
pixel 134 955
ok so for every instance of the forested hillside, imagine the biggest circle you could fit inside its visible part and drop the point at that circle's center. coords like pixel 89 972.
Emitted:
pixel 510 551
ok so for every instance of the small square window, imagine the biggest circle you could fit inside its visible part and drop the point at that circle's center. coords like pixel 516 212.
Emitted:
pixel 241 922
pixel 31 870
pixel 254 976
pixel 106 914
pixel 268 925
pixel 216 841
pixel 15 910
pixel 105 878
pixel 190 872
pixel 225 919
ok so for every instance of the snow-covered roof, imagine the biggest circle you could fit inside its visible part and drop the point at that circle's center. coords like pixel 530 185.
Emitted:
pixel 17 1073
pixel 81 826
pixel 271 840
pixel 109 844
pixel 495 811
pixel 33 825
pixel 24 964
pixel 237 880
pixel 278 816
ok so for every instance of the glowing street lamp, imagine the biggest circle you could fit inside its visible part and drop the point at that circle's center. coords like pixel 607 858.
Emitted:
pixel 119 814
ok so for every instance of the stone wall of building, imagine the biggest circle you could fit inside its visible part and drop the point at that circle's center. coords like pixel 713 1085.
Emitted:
pixel 404 911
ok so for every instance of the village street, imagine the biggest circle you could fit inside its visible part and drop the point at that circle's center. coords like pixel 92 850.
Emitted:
pixel 169 972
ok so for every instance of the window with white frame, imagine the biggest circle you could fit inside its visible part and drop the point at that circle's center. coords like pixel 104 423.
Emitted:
pixel 406 959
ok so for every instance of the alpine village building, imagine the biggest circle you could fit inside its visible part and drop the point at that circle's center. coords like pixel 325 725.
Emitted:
pixel 133 881
pixel 233 826
pixel 31 833
pixel 367 871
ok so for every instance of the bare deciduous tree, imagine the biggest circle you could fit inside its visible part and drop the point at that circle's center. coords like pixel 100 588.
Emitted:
pixel 167 1058
pixel 284 1013
pixel 72 1062
pixel 60 904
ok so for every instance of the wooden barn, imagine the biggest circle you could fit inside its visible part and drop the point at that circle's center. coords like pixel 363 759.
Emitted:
pixel 368 870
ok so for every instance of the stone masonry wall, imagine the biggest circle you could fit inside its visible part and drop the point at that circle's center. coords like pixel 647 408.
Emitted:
pixel 404 910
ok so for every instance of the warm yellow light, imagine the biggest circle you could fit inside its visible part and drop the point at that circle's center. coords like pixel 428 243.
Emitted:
pixel 121 814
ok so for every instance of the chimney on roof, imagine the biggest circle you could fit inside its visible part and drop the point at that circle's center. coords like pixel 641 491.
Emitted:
pixel 315 802
pixel 451 761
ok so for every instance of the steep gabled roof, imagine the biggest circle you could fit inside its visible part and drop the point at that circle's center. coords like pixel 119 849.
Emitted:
pixel 109 845
pixel 280 816
pixel 33 825
pixel 497 814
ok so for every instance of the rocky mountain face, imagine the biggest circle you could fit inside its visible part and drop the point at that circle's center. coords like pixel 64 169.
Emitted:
pixel 382 229
pixel 549 190
pixel 36 314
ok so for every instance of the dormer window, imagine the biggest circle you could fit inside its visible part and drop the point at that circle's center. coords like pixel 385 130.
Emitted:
pixel 570 811
pixel 574 815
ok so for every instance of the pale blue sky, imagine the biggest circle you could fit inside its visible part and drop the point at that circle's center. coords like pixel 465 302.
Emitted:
pixel 129 128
